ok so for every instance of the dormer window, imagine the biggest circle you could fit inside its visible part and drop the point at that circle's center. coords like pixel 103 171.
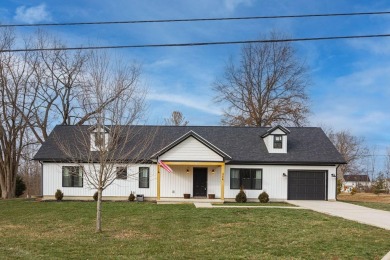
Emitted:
pixel 99 139
pixel 278 141
pixel 275 139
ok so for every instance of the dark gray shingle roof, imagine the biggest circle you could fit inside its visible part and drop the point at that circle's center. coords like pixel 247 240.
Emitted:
pixel 306 145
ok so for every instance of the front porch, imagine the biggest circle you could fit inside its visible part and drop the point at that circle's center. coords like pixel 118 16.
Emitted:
pixel 191 182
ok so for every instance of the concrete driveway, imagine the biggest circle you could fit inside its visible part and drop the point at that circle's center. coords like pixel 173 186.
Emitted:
pixel 373 217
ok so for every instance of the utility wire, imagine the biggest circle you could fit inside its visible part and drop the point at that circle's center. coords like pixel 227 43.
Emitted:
pixel 197 19
pixel 197 43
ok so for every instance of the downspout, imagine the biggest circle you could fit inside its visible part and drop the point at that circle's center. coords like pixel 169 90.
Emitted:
pixel 40 162
pixel 338 165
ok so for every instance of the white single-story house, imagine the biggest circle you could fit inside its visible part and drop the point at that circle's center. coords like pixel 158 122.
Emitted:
pixel 297 163
pixel 359 182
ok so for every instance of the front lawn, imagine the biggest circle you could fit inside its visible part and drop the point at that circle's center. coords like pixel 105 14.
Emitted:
pixel 370 200
pixel 374 205
pixel 365 197
pixel 65 230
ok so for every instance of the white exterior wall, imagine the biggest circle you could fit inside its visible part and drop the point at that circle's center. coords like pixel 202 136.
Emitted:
pixel 191 150
pixel 173 184
pixel 274 183
pixel 52 180
pixel 269 142
pixel 178 182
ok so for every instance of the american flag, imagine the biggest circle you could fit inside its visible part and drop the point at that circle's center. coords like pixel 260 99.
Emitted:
pixel 166 167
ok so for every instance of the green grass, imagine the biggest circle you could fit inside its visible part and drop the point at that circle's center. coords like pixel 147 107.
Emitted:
pixel 65 230
pixel 374 205
pixel 269 204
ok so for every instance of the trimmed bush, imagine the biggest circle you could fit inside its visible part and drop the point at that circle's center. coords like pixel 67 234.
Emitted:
pixel 20 186
pixel 95 196
pixel 59 195
pixel 339 186
pixel 353 191
pixel 131 197
pixel 264 197
pixel 241 196
pixel 380 184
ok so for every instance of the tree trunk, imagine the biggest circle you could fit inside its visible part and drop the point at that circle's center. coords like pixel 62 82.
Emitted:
pixel 7 185
pixel 99 211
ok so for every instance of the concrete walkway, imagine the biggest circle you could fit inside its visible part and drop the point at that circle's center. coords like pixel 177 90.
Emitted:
pixel 373 217
pixel 203 205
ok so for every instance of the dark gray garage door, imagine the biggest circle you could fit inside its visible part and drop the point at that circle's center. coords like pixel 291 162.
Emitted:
pixel 307 185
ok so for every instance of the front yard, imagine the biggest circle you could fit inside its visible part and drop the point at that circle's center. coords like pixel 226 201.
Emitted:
pixel 380 201
pixel 65 230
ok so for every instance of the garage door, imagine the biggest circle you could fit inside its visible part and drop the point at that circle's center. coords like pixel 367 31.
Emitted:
pixel 307 185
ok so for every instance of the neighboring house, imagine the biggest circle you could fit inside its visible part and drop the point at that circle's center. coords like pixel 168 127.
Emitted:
pixel 360 182
pixel 298 163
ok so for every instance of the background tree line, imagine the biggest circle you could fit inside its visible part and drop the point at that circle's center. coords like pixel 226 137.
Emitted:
pixel 41 89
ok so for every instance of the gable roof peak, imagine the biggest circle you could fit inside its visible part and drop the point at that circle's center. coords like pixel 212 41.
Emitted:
pixel 199 138
pixel 94 127
pixel 271 130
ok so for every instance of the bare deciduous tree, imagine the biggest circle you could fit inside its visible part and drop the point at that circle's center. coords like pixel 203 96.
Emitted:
pixel 371 162
pixel 15 85
pixel 64 94
pixel 176 119
pixel 351 148
pixel 59 76
pixel 267 87
pixel 29 169
pixel 387 169
pixel 112 142
pixel 44 88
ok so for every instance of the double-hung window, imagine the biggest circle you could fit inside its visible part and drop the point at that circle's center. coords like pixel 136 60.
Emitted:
pixel 278 141
pixel 248 179
pixel 99 139
pixel 72 176
pixel 143 177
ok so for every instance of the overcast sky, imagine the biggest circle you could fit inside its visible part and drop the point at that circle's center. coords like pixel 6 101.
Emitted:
pixel 349 78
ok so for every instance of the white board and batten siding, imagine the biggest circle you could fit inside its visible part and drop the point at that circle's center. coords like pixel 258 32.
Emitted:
pixel 52 180
pixel 178 182
pixel 191 150
pixel 175 184
pixel 274 183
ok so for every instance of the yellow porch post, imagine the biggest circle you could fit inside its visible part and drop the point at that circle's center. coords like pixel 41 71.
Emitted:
pixel 158 181
pixel 222 181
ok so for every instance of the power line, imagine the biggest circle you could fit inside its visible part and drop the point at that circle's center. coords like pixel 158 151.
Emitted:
pixel 193 44
pixel 198 19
